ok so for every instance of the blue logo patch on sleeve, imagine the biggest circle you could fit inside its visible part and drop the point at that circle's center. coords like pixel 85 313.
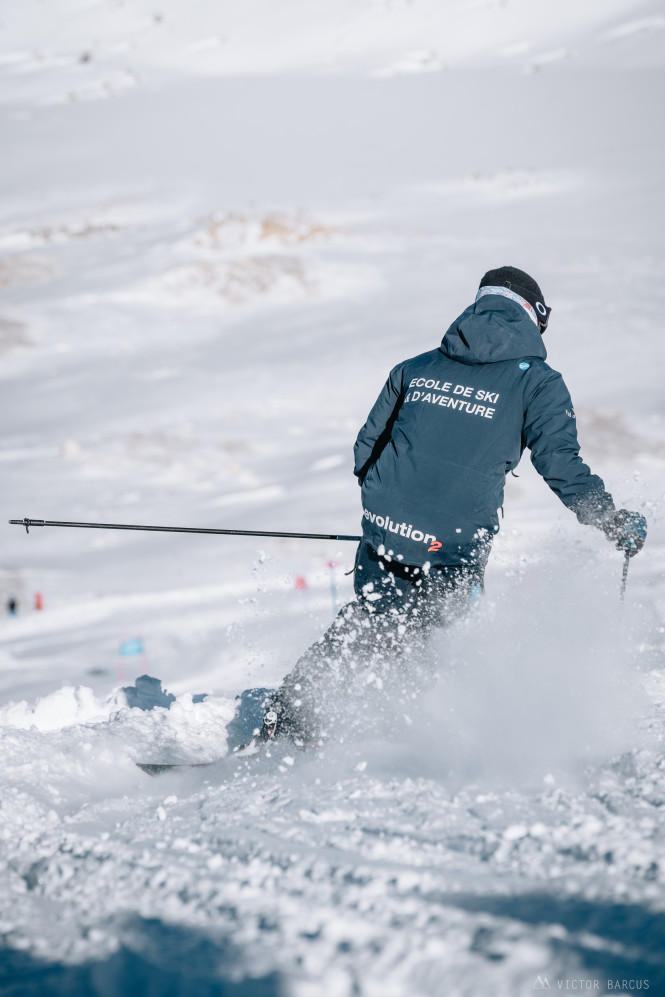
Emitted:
pixel 524 365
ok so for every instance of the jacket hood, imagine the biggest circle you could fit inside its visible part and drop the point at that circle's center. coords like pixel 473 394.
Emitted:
pixel 493 329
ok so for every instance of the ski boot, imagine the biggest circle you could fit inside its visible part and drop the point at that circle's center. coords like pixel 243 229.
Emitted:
pixel 279 725
pixel 260 737
pixel 267 732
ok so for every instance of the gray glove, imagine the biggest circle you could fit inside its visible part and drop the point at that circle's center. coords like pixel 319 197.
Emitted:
pixel 627 529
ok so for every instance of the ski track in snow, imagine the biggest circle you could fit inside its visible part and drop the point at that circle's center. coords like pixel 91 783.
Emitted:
pixel 205 277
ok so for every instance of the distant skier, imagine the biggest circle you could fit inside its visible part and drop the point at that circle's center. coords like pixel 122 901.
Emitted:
pixel 432 460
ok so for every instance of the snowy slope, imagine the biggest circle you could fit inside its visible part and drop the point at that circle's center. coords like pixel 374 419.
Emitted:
pixel 65 51
pixel 205 277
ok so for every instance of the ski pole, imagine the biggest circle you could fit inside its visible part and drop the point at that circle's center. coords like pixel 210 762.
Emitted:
pixel 181 529
pixel 333 585
pixel 624 574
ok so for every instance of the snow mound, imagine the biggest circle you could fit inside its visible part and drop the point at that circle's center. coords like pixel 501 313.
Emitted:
pixel 66 707
pixel 77 736
pixel 225 230
pixel 506 185
pixel 262 257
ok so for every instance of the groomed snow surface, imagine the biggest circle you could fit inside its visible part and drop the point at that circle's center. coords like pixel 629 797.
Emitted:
pixel 220 227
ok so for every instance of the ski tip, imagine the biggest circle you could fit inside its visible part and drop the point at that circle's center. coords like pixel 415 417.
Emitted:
pixel 151 769
pixel 156 768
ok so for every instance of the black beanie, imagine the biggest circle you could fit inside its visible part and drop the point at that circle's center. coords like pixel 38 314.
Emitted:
pixel 519 282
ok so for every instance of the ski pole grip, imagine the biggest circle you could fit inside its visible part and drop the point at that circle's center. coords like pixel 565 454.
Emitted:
pixel 27 523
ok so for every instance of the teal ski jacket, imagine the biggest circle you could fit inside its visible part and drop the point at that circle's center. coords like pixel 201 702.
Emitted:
pixel 449 426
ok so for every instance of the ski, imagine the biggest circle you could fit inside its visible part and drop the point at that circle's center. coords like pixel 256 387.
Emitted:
pixel 251 750
pixel 157 768
pixel 160 768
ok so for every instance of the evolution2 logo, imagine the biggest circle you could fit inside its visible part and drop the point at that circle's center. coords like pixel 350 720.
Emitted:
pixel 404 530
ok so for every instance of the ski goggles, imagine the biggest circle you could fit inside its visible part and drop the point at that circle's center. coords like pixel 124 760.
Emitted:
pixel 540 308
pixel 543 313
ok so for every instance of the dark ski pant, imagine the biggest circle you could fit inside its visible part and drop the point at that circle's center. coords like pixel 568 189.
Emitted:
pixel 375 641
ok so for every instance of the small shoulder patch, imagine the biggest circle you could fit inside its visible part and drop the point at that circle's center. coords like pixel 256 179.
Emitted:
pixel 524 365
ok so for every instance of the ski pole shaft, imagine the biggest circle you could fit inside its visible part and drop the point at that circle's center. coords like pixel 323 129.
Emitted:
pixel 333 585
pixel 624 574
pixel 181 529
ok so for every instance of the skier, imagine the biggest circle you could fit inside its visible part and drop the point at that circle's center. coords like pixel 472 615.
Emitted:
pixel 432 460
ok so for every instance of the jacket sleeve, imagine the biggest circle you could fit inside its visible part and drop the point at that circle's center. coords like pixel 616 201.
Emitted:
pixel 550 433
pixel 374 435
